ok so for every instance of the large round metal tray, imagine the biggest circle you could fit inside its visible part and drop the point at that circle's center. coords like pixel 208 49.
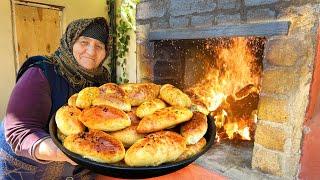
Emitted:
pixel 123 171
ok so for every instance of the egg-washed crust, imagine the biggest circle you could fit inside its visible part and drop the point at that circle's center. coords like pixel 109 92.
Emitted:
pixel 72 100
pixel 164 118
pixel 96 145
pixel 193 149
pixel 133 116
pixel 138 93
pixel 60 135
pixel 112 95
pixel 128 136
pixel 194 129
pixel 67 120
pixel 149 107
pixel 106 118
pixel 155 149
pixel 174 96
pixel 86 96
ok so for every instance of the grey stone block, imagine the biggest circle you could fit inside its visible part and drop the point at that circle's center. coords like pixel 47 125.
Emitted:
pixel 161 23
pixel 202 20
pixel 228 19
pixel 228 4
pixel 258 2
pixel 179 22
pixel 260 14
pixel 184 7
pixel 150 9
pixel 246 29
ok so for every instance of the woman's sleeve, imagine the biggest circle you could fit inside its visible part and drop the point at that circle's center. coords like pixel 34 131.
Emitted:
pixel 28 112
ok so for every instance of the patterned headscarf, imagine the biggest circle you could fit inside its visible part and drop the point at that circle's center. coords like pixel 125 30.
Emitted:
pixel 67 65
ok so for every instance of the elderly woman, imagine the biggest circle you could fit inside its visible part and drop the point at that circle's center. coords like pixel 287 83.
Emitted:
pixel 44 83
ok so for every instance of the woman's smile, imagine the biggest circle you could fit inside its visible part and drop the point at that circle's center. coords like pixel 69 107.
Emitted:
pixel 89 52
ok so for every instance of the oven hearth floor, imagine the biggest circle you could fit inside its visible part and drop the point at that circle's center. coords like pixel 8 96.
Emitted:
pixel 233 160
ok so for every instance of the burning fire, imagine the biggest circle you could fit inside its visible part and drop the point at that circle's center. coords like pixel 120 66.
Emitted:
pixel 230 90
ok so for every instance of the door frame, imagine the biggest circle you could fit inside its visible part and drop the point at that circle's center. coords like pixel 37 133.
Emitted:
pixel 13 16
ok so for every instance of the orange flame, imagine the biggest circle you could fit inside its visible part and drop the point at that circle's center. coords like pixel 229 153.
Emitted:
pixel 234 68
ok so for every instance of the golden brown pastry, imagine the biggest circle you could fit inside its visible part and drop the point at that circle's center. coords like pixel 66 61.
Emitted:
pixel 60 135
pixel 72 100
pixel 193 149
pixel 149 107
pixel 96 145
pixel 105 118
pixel 133 117
pixel 155 149
pixel 86 96
pixel 174 96
pixel 67 120
pixel 164 118
pixel 198 106
pixel 112 95
pixel 127 136
pixel 112 100
pixel 140 92
pixel 194 129
pixel 112 88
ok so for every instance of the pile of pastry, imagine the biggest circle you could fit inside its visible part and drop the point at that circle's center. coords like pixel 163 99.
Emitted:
pixel 142 124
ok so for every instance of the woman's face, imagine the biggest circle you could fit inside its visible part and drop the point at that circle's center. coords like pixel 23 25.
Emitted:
pixel 89 52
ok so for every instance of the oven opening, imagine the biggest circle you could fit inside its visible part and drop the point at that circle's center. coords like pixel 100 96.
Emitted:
pixel 222 76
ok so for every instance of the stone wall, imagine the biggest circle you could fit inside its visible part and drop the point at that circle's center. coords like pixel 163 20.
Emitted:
pixel 289 62
pixel 288 65
pixel 161 14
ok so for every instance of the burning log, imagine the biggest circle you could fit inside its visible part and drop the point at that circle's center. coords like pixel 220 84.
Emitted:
pixel 244 102
pixel 230 88
pixel 237 115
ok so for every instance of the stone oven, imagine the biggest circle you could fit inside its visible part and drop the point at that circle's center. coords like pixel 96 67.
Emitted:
pixel 286 32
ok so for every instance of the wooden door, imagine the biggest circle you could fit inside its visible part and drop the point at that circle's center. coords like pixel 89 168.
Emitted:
pixel 38 31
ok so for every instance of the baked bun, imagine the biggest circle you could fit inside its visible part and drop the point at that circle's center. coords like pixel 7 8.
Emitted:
pixel 127 136
pixel 105 118
pixel 96 145
pixel 194 129
pixel 133 116
pixel 112 95
pixel 149 107
pixel 140 92
pixel 198 106
pixel 192 149
pixel 60 135
pixel 155 149
pixel 174 96
pixel 112 88
pixel 72 100
pixel 67 120
pixel 86 96
pixel 163 119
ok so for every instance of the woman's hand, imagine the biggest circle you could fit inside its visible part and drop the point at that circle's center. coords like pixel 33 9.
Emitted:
pixel 48 151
